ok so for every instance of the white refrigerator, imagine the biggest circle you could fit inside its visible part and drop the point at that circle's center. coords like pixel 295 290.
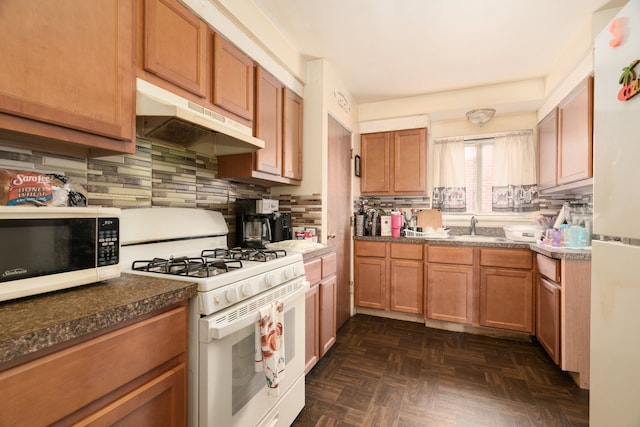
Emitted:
pixel 615 293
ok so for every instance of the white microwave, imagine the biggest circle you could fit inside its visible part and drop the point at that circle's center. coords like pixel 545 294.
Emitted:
pixel 44 249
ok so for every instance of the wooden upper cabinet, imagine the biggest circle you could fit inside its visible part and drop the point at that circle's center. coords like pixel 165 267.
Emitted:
pixel 175 45
pixel 233 78
pixel 292 135
pixel 268 122
pixel 409 161
pixel 394 162
pixel 375 168
pixel 548 151
pixel 575 134
pixel 278 122
pixel 68 74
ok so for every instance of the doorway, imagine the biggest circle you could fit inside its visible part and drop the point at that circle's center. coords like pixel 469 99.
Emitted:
pixel 339 209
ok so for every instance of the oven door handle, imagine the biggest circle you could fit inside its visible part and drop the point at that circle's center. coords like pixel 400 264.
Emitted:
pixel 214 328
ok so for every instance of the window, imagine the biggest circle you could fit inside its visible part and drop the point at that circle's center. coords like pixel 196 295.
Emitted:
pixel 484 175
pixel 478 175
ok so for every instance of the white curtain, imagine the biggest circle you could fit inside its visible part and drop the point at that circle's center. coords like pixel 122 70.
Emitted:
pixel 449 193
pixel 514 173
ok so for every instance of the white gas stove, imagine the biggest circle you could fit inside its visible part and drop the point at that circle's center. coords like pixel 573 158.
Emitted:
pixel 233 286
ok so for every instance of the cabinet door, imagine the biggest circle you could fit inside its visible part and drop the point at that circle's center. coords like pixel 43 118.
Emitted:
pixel 450 293
pixel 409 161
pixel 155 403
pixel 548 317
pixel 575 142
pixel 375 170
pixel 506 299
pixel 268 122
pixel 233 74
pixel 370 282
pixel 175 45
pixel 406 286
pixel 312 328
pixel 327 314
pixel 292 135
pixel 548 150
pixel 68 67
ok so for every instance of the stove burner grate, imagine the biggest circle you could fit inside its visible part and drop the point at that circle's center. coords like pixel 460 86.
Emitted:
pixel 187 266
pixel 244 254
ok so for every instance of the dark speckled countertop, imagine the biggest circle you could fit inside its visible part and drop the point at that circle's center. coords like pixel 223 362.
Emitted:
pixel 307 256
pixel 573 254
pixel 29 325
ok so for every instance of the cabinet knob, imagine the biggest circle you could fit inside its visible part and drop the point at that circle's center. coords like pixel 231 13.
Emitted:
pixel 331 236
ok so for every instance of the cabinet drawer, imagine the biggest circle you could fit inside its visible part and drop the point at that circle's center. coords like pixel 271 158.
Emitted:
pixel 450 255
pixel 313 270
pixel 506 258
pixel 328 265
pixel 406 251
pixel 549 267
pixel 371 249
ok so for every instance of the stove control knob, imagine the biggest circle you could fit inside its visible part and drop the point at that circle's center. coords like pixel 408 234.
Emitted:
pixel 289 273
pixel 270 280
pixel 247 289
pixel 232 295
pixel 216 300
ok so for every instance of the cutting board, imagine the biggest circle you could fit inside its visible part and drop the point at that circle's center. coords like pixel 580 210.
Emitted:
pixel 430 218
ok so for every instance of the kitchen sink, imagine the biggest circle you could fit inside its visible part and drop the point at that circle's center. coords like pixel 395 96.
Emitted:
pixel 478 238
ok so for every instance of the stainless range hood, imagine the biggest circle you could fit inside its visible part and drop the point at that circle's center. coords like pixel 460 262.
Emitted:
pixel 164 116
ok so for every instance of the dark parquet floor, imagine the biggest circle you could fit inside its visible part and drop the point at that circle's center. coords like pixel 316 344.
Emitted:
pixel 383 372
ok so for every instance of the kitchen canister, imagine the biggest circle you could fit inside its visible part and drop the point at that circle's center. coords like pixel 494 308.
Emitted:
pixel 385 225
pixel 359 225
pixel 396 223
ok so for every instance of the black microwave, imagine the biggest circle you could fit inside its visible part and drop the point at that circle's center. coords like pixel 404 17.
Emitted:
pixel 44 249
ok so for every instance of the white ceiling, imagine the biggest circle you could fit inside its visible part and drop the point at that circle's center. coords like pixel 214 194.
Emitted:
pixel 388 49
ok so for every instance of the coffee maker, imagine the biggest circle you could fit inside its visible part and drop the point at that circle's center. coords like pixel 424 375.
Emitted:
pixel 259 222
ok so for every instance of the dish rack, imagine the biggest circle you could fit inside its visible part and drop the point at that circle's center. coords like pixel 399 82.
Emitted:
pixel 431 234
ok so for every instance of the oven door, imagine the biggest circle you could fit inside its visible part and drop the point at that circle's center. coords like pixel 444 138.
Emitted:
pixel 231 392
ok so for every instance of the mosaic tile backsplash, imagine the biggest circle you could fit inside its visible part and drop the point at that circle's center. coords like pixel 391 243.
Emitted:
pixel 159 175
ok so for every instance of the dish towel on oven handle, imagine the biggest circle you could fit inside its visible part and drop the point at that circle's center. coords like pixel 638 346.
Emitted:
pixel 269 348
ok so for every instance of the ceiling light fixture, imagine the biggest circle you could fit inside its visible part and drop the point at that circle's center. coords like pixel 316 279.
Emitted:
pixel 480 116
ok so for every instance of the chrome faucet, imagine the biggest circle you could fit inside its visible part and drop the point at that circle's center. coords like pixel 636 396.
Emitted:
pixel 474 221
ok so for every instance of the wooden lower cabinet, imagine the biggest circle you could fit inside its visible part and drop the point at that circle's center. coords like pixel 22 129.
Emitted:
pixel 506 299
pixel 312 328
pixel 450 293
pixel 389 276
pixel 406 277
pixel 450 284
pixel 548 317
pixel 320 311
pixel 327 314
pixel 136 375
pixel 563 313
pixel 370 278
pixel 407 286
pixel 506 289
